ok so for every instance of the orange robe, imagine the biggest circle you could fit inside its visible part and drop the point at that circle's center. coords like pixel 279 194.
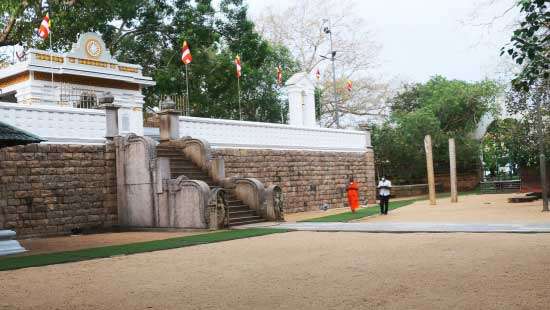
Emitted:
pixel 353 196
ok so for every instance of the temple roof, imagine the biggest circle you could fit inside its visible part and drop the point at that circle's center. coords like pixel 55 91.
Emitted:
pixel 88 57
pixel 10 135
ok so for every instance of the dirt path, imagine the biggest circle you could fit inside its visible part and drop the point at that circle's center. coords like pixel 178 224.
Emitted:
pixel 69 243
pixel 493 208
pixel 303 270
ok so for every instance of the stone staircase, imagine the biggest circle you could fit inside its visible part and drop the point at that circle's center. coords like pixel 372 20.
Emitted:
pixel 238 212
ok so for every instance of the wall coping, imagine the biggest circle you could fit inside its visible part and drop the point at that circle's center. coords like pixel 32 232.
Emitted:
pixel 264 125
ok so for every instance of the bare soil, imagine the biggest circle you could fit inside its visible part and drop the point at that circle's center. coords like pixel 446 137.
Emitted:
pixel 77 242
pixel 302 270
pixel 491 208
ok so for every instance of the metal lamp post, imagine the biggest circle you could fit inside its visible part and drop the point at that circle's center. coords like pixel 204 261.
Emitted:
pixel 328 30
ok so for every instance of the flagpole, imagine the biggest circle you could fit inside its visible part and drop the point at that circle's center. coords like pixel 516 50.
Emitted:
pixel 239 96
pixel 51 61
pixel 187 109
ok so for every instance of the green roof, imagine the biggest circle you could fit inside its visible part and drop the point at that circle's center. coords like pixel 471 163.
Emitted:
pixel 10 135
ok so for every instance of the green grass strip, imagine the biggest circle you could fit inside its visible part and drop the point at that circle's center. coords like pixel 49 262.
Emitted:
pixel 16 262
pixel 361 213
pixel 364 212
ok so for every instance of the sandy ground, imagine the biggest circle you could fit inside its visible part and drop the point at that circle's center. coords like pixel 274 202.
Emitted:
pixel 76 242
pixel 302 270
pixel 492 208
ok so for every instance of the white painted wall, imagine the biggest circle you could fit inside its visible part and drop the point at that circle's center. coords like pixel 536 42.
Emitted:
pixel 240 134
pixel 57 124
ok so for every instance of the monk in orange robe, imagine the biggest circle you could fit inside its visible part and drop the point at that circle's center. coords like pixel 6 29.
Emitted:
pixel 353 195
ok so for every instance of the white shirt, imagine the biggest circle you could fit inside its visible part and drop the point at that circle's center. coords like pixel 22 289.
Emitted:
pixel 384 191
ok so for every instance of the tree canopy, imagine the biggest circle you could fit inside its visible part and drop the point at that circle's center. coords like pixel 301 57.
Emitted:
pixel 441 108
pixel 530 44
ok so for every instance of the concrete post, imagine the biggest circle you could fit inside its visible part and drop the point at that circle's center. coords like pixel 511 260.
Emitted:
pixel 452 163
pixel 169 125
pixel 430 168
pixel 122 202
pixel 111 115
pixel 301 100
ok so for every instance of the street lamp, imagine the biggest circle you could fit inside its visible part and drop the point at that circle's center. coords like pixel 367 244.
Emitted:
pixel 328 31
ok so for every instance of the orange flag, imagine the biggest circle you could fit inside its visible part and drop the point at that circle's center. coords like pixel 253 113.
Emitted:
pixel 44 29
pixel 186 57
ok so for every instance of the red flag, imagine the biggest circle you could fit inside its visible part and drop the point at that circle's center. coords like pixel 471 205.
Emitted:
pixel 349 85
pixel 279 75
pixel 318 74
pixel 186 57
pixel 44 29
pixel 238 66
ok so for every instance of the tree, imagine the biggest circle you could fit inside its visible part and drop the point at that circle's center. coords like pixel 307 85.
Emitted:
pixel 530 48
pixel 301 28
pixel 504 144
pixel 150 33
pixel 530 44
pixel 441 108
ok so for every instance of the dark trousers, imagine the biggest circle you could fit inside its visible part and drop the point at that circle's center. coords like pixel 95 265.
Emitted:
pixel 384 202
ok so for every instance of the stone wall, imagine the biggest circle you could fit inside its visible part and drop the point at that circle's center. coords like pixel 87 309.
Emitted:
pixel 308 178
pixel 48 189
pixel 531 180
pixel 465 181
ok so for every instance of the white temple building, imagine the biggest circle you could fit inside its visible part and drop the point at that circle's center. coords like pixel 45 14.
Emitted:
pixel 75 80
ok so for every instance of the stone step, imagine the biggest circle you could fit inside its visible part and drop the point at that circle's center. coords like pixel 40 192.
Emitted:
pixel 241 213
pixel 163 153
pixel 190 174
pixel 238 212
pixel 238 208
pixel 233 202
pixel 188 169
pixel 237 223
pixel 180 164
pixel 210 183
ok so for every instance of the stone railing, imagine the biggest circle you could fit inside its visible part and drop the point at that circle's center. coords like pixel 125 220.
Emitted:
pixel 240 134
pixel 56 124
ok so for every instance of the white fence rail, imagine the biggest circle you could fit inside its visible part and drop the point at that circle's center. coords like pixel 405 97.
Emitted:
pixel 56 124
pixel 240 134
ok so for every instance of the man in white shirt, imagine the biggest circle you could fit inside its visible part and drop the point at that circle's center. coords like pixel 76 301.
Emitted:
pixel 384 187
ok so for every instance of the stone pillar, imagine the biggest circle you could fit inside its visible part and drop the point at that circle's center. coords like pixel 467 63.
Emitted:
pixel 430 168
pixel 452 163
pixel 301 100
pixel 111 115
pixel 169 125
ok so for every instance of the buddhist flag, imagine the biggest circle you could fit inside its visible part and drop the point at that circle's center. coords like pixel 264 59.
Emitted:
pixel 349 85
pixel 279 75
pixel 44 29
pixel 238 66
pixel 318 74
pixel 186 57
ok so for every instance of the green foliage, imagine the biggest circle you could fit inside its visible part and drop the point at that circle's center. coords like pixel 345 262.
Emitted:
pixel 17 262
pixel 504 144
pixel 151 32
pixel 441 108
pixel 530 44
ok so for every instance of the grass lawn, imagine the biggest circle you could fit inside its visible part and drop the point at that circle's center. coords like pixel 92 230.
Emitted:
pixel 16 262
pixel 364 212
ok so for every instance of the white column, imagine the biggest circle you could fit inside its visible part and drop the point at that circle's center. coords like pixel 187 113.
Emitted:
pixel 309 108
pixel 295 109
pixel 301 100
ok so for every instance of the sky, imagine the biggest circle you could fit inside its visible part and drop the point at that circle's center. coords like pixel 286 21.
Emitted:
pixel 422 38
